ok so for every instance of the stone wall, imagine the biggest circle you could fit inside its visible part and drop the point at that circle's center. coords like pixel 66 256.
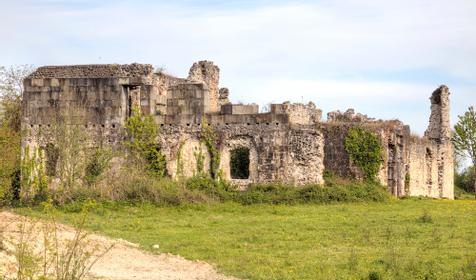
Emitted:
pixel 208 73
pixel 277 153
pixel 394 138
pixel 290 143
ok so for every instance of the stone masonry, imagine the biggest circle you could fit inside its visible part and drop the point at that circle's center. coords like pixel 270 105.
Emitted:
pixel 290 143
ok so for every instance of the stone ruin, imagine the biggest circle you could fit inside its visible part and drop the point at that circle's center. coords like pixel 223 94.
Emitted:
pixel 290 143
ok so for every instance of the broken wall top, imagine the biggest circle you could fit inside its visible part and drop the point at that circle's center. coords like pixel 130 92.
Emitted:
pixel 93 71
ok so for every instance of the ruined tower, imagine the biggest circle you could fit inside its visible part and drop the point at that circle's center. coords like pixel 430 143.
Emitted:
pixel 208 73
pixel 439 128
pixel 439 133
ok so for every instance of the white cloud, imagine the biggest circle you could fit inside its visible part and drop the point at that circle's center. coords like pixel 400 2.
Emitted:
pixel 267 52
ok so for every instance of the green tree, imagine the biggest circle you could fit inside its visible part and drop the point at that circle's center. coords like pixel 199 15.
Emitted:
pixel 141 135
pixel 464 137
pixel 11 90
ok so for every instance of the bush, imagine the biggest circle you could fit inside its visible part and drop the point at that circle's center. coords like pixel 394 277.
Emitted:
pixel 131 184
pixel 276 193
pixel 98 163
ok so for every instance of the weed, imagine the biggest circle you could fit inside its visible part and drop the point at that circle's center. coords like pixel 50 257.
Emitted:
pixel 426 218
pixel 55 257
pixel 374 275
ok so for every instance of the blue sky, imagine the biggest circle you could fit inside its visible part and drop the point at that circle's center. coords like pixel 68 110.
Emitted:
pixel 383 58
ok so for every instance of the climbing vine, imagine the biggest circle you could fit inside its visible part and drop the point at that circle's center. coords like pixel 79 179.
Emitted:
pixel 365 151
pixel 34 181
pixel 209 138
pixel 200 160
pixel 179 170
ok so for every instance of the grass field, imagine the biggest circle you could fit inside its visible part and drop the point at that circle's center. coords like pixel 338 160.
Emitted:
pixel 406 239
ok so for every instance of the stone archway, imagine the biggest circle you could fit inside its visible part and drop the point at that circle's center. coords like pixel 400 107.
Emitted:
pixel 232 150
pixel 192 158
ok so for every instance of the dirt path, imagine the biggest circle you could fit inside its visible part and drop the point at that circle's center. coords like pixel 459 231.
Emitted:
pixel 123 261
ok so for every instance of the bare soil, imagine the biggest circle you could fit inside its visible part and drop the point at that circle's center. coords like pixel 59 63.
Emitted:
pixel 123 261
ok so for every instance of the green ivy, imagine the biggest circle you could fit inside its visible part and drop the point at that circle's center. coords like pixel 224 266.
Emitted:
pixel 365 151
pixel 34 182
pixel 209 138
pixel 200 160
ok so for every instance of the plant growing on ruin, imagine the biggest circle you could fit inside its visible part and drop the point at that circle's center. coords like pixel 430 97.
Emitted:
pixel 34 181
pixel 179 171
pixel 209 137
pixel 464 138
pixel 365 151
pixel 70 144
pixel 141 135
pixel 200 160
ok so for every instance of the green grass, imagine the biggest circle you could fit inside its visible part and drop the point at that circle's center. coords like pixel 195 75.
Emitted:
pixel 406 239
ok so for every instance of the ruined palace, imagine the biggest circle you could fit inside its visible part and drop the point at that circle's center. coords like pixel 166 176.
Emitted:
pixel 289 143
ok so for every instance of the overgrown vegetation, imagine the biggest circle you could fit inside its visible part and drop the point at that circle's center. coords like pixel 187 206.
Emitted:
pixel 141 135
pixel 365 151
pixel 11 89
pixel 464 137
pixel 209 138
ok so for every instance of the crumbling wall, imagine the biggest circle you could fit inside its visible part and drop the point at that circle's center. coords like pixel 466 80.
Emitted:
pixel 436 171
pixel 306 114
pixel 208 73
pixel 393 137
pixel 423 172
pixel 189 100
pixel 277 153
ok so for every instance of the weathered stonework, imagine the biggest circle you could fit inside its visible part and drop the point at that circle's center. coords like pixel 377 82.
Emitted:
pixel 290 143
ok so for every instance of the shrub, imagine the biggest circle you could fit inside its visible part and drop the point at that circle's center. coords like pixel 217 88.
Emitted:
pixel 277 193
pixel 141 133
pixel 425 218
pixel 374 275
pixel 98 162
pixel 365 151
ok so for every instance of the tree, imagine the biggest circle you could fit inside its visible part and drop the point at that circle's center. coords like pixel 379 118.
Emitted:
pixel 11 91
pixel 464 138
pixel 141 134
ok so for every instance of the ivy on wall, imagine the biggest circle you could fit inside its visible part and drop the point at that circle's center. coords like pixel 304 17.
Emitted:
pixel 34 181
pixel 209 138
pixel 365 151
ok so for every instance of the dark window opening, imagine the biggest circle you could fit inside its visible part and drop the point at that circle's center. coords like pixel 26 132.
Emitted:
pixel 240 163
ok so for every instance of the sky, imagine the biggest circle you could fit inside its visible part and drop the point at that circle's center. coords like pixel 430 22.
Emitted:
pixel 382 58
